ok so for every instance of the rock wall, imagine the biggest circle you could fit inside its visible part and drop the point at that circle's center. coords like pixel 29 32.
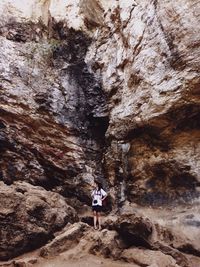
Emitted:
pixel 147 55
pixel 53 111
pixel 50 102
pixel 101 89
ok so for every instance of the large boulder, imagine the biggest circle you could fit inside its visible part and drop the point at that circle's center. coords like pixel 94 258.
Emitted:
pixel 67 239
pixel 150 258
pixel 135 230
pixel 29 217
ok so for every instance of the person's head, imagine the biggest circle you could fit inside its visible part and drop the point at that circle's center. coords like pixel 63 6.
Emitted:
pixel 98 185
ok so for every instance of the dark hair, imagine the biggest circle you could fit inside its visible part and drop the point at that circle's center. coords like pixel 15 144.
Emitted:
pixel 99 184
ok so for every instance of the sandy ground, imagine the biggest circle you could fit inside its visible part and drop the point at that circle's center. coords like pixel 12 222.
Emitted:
pixel 71 258
pixel 86 261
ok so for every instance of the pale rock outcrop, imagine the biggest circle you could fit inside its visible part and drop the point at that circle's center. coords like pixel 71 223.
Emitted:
pixel 148 258
pixel 147 55
pixel 78 14
pixel 67 239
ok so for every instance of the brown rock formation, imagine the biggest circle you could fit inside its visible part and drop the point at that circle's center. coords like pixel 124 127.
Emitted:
pixel 100 89
pixel 29 217
pixel 49 104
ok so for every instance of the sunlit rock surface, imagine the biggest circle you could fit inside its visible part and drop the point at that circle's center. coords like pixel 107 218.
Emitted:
pixel 147 55
pixel 110 90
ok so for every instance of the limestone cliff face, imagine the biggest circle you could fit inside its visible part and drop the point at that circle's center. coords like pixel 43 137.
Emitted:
pixel 147 55
pixel 50 102
pixel 101 89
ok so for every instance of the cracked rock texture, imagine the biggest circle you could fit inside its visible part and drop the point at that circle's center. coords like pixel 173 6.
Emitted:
pixel 29 217
pixel 101 89
pixel 147 55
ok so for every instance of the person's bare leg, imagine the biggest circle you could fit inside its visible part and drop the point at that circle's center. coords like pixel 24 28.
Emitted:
pixel 95 219
pixel 99 219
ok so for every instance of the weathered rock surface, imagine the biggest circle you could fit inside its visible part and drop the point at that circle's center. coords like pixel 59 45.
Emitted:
pixel 68 239
pixel 76 241
pixel 50 102
pixel 53 117
pixel 107 89
pixel 147 54
pixel 148 258
pixel 29 217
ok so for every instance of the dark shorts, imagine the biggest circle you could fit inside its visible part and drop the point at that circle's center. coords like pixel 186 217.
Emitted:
pixel 97 208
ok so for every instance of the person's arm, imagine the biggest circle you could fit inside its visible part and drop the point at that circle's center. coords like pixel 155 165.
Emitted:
pixel 104 194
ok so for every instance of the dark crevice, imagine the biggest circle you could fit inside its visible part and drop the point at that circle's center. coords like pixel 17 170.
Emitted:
pixel 185 117
pixel 98 127
pixel 134 240
pixel 134 231
pixel 88 219
pixel 151 135
pixel 155 2
pixel 92 107
pixel 2 125
pixel 189 249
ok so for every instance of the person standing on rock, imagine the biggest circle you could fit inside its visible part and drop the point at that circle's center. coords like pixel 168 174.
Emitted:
pixel 98 196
